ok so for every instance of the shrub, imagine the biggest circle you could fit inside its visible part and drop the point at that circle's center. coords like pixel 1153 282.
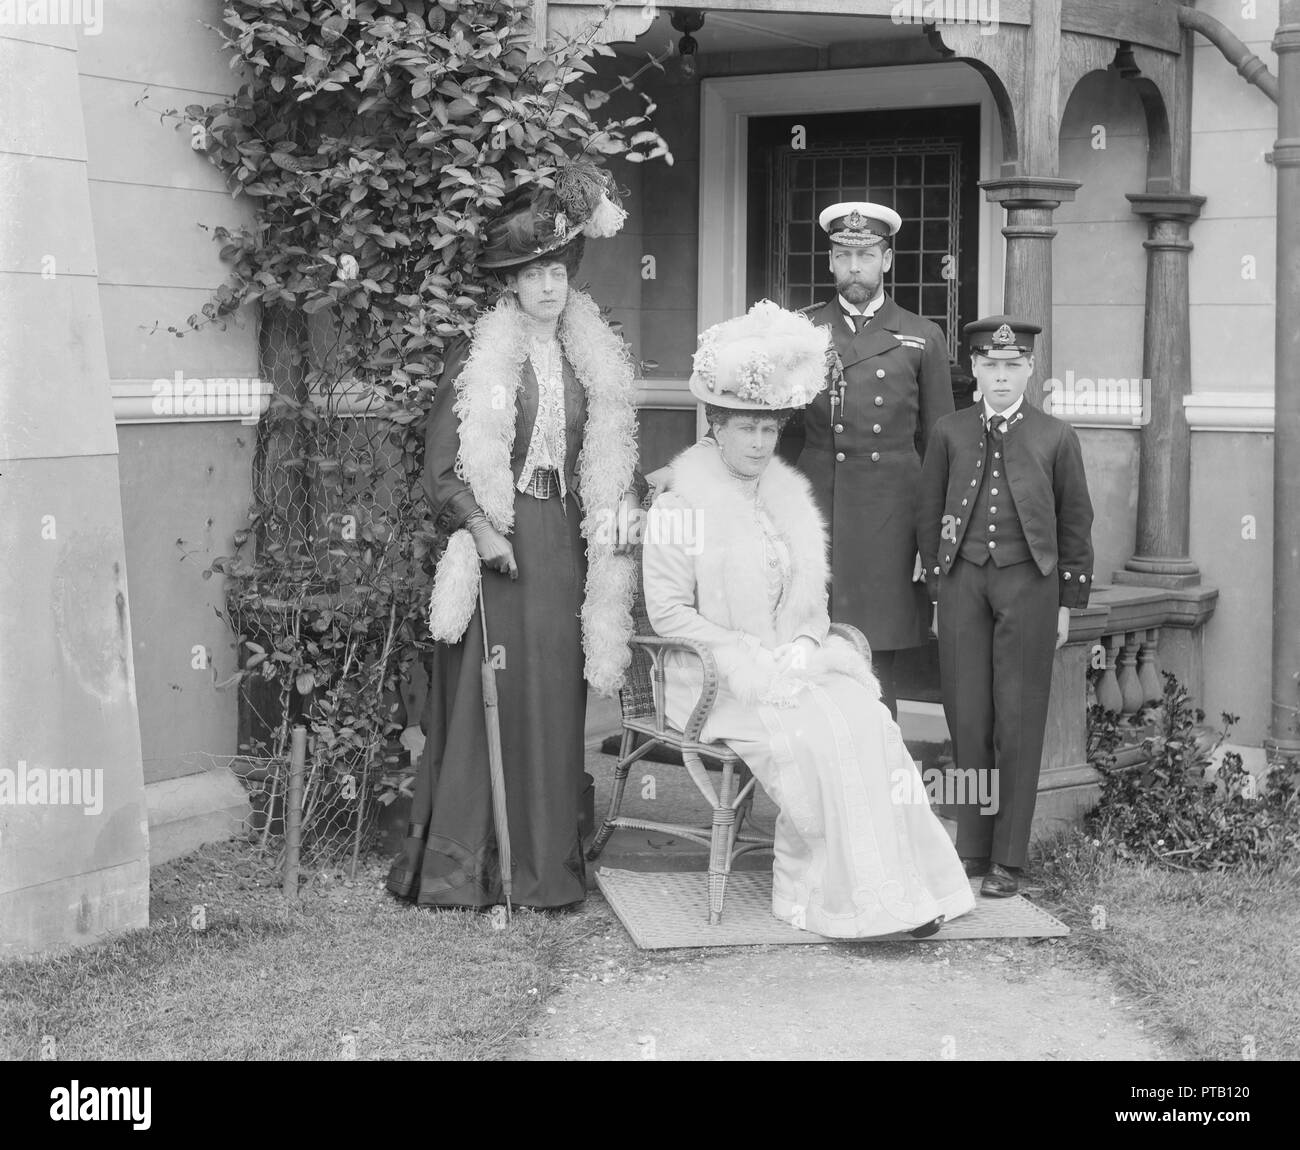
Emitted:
pixel 1169 808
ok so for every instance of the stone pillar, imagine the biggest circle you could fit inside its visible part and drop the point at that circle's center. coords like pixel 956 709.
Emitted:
pixel 1284 724
pixel 1027 292
pixel 1165 464
pixel 74 840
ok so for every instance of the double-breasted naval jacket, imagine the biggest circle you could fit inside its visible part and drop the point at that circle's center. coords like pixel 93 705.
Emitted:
pixel 1048 486
pixel 862 450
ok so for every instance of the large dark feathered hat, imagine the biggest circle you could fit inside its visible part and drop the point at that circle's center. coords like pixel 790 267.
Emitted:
pixel 536 222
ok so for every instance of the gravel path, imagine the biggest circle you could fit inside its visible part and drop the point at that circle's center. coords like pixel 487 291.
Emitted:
pixel 965 1000
pixel 969 1000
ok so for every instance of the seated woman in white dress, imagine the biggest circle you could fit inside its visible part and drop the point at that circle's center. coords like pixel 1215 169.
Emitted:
pixel 735 557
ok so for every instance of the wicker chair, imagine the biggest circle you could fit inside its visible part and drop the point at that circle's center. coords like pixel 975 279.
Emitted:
pixel 645 728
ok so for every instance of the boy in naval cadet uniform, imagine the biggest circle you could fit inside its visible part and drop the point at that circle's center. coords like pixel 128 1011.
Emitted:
pixel 865 435
pixel 1005 526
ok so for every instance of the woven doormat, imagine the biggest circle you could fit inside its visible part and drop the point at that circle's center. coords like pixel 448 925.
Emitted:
pixel 664 910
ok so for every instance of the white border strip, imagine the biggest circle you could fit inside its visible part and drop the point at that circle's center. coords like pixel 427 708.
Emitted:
pixel 135 402
pixel 665 395
pixel 138 401
pixel 1229 411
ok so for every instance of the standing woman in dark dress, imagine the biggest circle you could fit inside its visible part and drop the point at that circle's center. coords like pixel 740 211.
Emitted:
pixel 529 453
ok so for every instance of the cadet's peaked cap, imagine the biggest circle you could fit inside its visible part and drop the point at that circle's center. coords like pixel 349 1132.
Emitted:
pixel 858 224
pixel 1001 336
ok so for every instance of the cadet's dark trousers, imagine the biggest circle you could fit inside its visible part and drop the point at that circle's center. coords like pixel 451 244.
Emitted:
pixel 997 636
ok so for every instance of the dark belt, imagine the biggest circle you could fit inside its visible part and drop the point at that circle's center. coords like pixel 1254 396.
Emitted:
pixel 543 483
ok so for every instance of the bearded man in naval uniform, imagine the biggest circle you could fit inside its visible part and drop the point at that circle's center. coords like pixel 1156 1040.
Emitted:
pixel 865 437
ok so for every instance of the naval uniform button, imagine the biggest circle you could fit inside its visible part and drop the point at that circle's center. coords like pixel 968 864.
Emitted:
pixel 974 483
pixel 880 402
pixel 993 510
pixel 963 503
pixel 880 373
pixel 959 522
pixel 992 527
pixel 994 491
pixel 875 457
pixel 839 429
pixel 1067 574
pixel 936 570
pixel 876 429
pixel 995 475
pixel 839 457
pixel 991 544
pixel 979 463
pixel 997 455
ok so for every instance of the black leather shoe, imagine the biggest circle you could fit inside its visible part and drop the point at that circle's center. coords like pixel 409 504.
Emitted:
pixel 1000 882
pixel 927 929
pixel 975 867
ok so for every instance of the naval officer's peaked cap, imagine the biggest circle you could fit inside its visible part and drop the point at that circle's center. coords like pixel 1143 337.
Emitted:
pixel 1001 336
pixel 859 224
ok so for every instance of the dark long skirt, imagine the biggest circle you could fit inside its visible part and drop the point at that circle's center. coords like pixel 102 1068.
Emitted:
pixel 534 630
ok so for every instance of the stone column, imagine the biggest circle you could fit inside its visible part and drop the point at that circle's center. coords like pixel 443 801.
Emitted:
pixel 74 841
pixel 1165 465
pixel 1027 292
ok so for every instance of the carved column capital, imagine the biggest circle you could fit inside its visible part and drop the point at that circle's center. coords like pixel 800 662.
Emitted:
pixel 1030 191
pixel 1181 207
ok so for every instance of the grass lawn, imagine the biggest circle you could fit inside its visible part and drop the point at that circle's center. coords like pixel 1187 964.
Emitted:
pixel 349 973
pixel 1213 958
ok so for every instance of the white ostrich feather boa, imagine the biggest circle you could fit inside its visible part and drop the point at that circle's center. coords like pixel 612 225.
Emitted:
pixel 486 393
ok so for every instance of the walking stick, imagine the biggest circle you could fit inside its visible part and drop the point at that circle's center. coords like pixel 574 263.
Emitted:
pixel 496 769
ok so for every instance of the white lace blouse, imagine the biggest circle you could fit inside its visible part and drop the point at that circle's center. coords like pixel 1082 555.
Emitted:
pixel 547 447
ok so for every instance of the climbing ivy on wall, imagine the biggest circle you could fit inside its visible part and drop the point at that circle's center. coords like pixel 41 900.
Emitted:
pixel 374 138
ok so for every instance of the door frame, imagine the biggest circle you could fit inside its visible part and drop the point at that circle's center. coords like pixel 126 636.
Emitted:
pixel 727 103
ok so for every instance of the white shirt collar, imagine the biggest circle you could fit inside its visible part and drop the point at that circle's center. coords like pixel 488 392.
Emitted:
pixel 989 413
pixel 872 307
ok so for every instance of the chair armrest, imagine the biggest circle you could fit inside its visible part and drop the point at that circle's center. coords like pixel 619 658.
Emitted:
pixel 854 636
pixel 658 647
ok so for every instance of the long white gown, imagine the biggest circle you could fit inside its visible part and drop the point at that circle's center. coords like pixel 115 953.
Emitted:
pixel 858 851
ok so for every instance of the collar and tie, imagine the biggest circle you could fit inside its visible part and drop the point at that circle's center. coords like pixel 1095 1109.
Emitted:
pixel 860 320
pixel 996 425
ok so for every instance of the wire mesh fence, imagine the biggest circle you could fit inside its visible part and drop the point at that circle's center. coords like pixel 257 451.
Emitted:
pixel 326 593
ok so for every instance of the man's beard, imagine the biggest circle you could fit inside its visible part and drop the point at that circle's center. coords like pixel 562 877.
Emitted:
pixel 858 292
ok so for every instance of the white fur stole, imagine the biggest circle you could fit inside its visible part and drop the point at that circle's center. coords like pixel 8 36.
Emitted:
pixel 731 587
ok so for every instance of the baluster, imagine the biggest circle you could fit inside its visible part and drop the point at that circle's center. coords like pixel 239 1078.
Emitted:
pixel 1148 666
pixel 1127 676
pixel 1108 694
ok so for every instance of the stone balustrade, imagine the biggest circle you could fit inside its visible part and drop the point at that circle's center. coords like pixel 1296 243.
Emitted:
pixel 1131 634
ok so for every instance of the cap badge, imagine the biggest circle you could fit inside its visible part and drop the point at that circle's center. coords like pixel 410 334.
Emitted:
pixel 856 222
pixel 1004 335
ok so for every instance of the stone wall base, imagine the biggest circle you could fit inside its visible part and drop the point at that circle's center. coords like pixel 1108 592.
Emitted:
pixel 1062 808
pixel 186 812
